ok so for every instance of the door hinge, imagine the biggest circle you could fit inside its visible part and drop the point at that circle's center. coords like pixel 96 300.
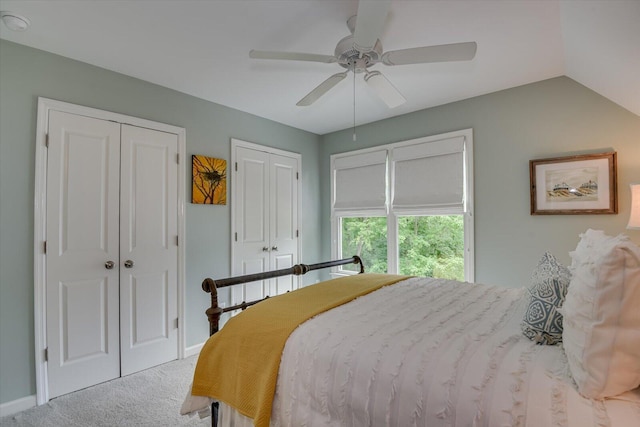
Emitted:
pixel 236 236
pixel 297 175
pixel 176 323
pixel 297 233
pixel 46 140
pixel 178 158
pixel 44 247
pixel 177 240
pixel 236 166
pixel 46 354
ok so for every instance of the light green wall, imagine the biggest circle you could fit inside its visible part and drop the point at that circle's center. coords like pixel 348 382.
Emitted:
pixel 552 118
pixel 25 75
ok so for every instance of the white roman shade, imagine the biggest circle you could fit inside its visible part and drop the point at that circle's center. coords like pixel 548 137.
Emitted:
pixel 429 175
pixel 360 181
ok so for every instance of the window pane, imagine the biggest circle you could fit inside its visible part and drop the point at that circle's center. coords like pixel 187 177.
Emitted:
pixel 367 238
pixel 431 246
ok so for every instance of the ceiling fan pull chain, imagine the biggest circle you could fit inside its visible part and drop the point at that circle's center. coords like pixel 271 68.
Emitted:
pixel 354 103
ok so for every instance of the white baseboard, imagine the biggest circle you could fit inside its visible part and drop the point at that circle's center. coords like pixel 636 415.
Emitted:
pixel 19 405
pixel 193 350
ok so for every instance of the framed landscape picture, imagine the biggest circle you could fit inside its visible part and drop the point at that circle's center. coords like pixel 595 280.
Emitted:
pixel 584 184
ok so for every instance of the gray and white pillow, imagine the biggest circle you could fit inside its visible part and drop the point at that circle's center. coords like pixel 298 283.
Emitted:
pixel 542 321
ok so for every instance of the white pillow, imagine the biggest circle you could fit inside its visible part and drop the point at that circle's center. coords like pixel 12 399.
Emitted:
pixel 601 324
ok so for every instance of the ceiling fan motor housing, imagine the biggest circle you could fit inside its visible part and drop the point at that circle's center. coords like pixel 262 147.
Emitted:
pixel 350 58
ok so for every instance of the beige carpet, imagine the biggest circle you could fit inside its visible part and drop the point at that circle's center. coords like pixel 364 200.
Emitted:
pixel 148 398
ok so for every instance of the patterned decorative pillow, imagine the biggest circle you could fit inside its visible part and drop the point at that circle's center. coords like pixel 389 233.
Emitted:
pixel 542 321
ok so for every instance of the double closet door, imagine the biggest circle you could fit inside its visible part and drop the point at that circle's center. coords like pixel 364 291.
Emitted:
pixel 265 209
pixel 111 250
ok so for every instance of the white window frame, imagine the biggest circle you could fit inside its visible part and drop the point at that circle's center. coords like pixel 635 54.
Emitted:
pixel 392 213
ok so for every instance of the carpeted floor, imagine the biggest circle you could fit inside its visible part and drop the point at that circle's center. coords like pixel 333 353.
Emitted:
pixel 149 398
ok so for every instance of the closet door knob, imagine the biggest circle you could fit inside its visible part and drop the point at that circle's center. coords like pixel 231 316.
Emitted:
pixel 128 263
pixel 109 265
pixel 274 248
pixel 265 249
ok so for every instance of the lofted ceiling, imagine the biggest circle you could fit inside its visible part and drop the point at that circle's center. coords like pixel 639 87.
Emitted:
pixel 201 47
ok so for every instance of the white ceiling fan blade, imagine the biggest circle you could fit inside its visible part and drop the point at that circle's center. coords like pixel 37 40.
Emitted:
pixel 440 53
pixel 370 20
pixel 291 56
pixel 385 90
pixel 321 89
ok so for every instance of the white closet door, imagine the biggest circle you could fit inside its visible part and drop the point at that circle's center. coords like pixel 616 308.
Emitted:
pixel 265 206
pixel 283 220
pixel 82 239
pixel 112 250
pixel 148 248
pixel 251 236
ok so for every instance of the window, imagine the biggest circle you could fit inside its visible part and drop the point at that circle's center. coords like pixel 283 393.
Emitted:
pixel 366 237
pixel 406 207
pixel 431 246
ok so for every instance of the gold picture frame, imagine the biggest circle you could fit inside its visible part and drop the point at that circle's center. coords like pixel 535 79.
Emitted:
pixel 574 185
pixel 209 180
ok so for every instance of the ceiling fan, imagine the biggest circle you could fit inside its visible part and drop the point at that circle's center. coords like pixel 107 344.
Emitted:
pixel 363 49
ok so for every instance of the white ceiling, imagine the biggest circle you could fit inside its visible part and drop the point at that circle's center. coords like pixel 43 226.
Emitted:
pixel 201 48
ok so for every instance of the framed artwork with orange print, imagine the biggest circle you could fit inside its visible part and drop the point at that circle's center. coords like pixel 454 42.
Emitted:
pixel 209 177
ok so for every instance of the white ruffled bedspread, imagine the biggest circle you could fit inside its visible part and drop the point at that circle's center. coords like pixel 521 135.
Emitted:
pixel 428 352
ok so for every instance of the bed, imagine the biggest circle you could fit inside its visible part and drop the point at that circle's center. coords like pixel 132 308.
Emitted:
pixel 415 351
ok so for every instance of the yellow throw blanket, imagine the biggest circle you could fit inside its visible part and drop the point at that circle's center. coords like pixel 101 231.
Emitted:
pixel 239 364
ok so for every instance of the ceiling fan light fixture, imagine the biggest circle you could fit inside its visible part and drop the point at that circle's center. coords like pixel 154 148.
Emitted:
pixel 14 22
pixel 384 89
